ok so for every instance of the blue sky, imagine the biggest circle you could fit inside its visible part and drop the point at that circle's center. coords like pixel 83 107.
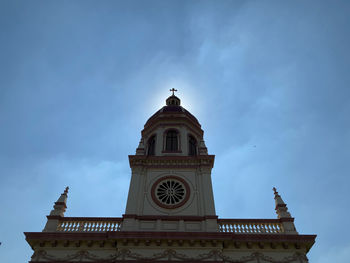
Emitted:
pixel 268 81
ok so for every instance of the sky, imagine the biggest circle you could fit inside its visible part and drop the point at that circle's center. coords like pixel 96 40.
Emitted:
pixel 267 80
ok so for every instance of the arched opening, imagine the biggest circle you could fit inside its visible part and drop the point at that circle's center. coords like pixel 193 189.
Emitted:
pixel 192 146
pixel 171 141
pixel 151 145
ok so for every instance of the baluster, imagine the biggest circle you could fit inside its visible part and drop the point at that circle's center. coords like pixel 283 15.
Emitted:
pixel 273 228
pixel 266 227
pixel 250 228
pixel 235 227
pixel 69 226
pixel 270 228
pixel 243 228
pixel 277 228
pixel 84 226
pixel 76 226
pixel 72 226
pixel 81 226
pixel 255 228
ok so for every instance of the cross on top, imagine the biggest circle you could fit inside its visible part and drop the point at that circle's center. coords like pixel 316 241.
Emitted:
pixel 173 90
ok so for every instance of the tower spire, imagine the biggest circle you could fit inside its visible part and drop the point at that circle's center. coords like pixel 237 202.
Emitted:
pixel 281 207
pixel 61 204
pixel 282 213
pixel 57 212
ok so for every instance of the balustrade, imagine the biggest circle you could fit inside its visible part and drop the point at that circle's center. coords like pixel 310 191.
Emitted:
pixel 89 224
pixel 250 226
pixel 238 226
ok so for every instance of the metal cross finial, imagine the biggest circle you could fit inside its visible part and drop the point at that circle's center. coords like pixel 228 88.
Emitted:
pixel 173 90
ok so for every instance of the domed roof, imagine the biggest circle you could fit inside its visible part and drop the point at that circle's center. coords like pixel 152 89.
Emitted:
pixel 174 111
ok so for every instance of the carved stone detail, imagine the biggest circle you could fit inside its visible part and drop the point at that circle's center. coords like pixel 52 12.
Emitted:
pixel 168 254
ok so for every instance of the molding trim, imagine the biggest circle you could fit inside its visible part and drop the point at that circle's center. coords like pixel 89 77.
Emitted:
pixel 171 161
pixel 170 218
pixel 167 255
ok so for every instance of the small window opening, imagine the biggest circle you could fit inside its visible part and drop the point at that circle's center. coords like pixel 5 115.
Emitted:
pixel 192 146
pixel 151 145
pixel 171 143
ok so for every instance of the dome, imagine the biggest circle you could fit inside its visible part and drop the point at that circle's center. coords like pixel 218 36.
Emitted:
pixel 173 110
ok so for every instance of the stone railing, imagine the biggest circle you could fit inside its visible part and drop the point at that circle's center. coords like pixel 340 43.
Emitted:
pixel 251 226
pixel 238 226
pixel 89 224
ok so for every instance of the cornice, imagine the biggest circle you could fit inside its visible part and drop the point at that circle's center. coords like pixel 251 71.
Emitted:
pixel 169 218
pixel 171 161
pixel 168 235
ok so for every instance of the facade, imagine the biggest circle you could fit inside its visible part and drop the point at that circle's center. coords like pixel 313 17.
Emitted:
pixel 170 211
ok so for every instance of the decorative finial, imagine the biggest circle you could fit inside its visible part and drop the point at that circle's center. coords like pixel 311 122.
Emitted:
pixel 283 214
pixel 173 100
pixel 173 90
pixel 66 190
pixel 281 207
pixel 275 190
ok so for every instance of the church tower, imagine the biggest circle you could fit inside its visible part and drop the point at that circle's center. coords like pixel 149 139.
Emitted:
pixel 171 175
pixel 170 211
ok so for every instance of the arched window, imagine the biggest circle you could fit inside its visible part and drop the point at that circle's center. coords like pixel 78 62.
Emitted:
pixel 151 145
pixel 171 143
pixel 192 146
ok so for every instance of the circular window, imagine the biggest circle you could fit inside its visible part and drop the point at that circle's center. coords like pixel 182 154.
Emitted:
pixel 170 192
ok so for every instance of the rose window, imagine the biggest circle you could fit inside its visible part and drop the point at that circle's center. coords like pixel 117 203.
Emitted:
pixel 170 192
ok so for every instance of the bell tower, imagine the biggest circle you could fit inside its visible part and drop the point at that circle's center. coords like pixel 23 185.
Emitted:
pixel 171 186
